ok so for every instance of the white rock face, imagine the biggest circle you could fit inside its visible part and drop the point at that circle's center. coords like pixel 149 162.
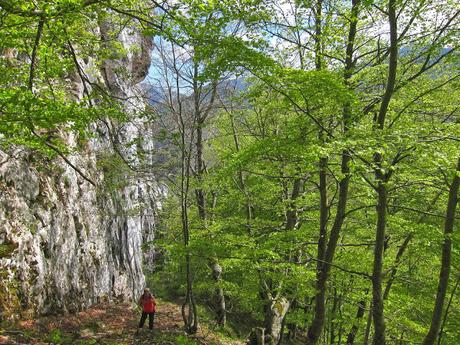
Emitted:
pixel 64 243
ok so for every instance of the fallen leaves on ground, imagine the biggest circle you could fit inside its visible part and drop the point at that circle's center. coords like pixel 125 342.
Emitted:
pixel 109 324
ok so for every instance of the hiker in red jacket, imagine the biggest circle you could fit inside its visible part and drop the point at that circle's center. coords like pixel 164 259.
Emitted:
pixel 148 304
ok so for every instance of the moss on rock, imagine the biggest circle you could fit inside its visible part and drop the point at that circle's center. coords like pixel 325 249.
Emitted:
pixel 6 249
pixel 10 304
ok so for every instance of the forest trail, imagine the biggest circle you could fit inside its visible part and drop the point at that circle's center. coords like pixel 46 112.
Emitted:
pixel 110 324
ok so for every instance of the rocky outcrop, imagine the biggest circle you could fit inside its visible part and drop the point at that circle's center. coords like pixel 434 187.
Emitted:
pixel 64 243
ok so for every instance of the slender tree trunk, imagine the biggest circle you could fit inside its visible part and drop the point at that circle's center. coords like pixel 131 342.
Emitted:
pixel 200 195
pixel 241 180
pixel 318 12
pixel 388 285
pixel 316 327
pixel 323 267
pixel 446 313
pixel 377 297
pixel 320 298
pixel 257 336
pixel 394 270
pixel 367 333
pixel 324 210
pixel 335 305
pixel 359 315
pixel 382 179
pixel 291 213
pixel 402 250
pixel 445 261
pixel 189 309
pixel 216 269
pixel 191 317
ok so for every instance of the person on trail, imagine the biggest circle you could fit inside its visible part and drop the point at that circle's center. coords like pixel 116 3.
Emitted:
pixel 148 305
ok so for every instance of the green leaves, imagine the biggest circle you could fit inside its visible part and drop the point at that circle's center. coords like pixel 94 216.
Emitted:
pixel 60 100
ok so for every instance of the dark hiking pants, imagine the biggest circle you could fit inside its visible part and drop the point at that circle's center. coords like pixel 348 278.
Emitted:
pixel 144 317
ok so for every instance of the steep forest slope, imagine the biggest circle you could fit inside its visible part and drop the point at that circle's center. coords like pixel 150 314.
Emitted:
pixel 309 150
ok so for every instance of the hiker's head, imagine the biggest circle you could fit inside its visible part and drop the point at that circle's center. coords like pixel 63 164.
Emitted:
pixel 147 292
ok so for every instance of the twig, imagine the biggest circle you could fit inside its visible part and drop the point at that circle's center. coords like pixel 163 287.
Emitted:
pixel 34 52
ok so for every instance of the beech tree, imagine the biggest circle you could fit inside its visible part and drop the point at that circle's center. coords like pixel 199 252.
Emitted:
pixel 311 152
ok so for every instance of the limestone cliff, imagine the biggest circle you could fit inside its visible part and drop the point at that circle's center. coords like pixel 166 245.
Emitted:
pixel 64 243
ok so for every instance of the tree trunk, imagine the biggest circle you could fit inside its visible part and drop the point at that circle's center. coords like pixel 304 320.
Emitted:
pixel 317 324
pixel 292 212
pixel 221 317
pixel 316 327
pixel 216 269
pixel 445 261
pixel 190 317
pixel 335 305
pixel 402 250
pixel 359 315
pixel 257 336
pixel 367 333
pixel 377 297
pixel 248 206
pixel 275 312
pixel 382 178
pixel 394 270
pixel 446 313
pixel 200 196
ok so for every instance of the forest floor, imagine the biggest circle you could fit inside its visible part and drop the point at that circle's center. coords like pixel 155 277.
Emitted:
pixel 107 324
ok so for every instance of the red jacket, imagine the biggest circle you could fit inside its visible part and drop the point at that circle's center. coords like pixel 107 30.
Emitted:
pixel 148 304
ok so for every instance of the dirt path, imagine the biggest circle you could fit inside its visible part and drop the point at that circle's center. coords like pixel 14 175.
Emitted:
pixel 107 324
